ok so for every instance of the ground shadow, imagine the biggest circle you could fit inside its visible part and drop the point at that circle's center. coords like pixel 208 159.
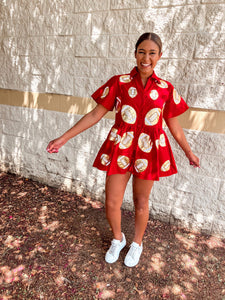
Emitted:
pixel 53 245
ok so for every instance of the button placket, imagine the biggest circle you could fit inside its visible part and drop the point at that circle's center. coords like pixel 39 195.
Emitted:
pixel 142 99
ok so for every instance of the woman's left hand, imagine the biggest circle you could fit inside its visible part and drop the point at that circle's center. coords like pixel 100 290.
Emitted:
pixel 193 159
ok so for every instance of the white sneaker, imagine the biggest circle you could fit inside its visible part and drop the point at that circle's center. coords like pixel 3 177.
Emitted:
pixel 114 251
pixel 133 255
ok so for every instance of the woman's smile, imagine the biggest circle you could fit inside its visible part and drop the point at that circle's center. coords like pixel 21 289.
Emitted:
pixel 145 65
pixel 147 56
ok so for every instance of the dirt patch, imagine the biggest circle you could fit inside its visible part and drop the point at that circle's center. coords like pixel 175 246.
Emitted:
pixel 53 243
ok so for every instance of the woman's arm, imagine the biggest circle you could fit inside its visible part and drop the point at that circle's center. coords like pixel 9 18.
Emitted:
pixel 84 123
pixel 178 134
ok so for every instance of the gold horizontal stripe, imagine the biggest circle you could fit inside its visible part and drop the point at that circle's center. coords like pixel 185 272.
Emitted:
pixel 194 118
pixel 203 120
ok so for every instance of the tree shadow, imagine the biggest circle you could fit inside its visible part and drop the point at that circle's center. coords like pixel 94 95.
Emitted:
pixel 53 245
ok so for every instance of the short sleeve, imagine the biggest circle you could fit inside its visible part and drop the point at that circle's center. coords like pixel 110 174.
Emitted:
pixel 107 93
pixel 175 105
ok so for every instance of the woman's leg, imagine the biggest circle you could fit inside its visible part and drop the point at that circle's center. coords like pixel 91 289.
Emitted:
pixel 141 192
pixel 115 189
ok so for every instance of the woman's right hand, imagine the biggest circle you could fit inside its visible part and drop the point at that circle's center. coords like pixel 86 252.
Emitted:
pixel 54 145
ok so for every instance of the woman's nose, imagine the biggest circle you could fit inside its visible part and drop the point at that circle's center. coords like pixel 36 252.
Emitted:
pixel 146 58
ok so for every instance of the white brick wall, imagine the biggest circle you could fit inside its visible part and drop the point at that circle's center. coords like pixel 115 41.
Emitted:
pixel 45 44
pixel 73 46
pixel 193 197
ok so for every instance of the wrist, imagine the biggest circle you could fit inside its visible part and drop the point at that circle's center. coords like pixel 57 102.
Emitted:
pixel 188 153
pixel 64 138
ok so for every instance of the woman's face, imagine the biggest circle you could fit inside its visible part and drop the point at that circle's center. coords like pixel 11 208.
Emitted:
pixel 147 56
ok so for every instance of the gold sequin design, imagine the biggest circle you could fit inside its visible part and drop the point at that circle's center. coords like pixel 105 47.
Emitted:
pixel 152 117
pixel 162 140
pixel 105 159
pixel 176 97
pixel 113 134
pixel 163 84
pixel 105 92
pixel 114 137
pixel 125 78
pixel 154 95
pixel 123 161
pixel 126 140
pixel 166 166
pixel 118 139
pixel 118 104
pixel 145 143
pixel 132 92
pixel 140 165
pixel 128 114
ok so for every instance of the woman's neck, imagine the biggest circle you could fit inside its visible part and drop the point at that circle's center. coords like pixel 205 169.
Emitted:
pixel 144 81
pixel 144 78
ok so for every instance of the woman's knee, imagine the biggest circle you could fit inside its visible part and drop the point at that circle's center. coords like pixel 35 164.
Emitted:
pixel 113 203
pixel 141 204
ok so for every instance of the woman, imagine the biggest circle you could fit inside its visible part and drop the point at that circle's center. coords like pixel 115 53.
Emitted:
pixel 136 144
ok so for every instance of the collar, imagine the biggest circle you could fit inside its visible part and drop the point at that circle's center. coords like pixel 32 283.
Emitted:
pixel 134 72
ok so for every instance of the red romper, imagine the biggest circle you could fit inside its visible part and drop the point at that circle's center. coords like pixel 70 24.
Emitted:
pixel 137 142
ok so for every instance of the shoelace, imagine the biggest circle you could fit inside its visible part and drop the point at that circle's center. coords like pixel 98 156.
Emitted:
pixel 133 250
pixel 113 247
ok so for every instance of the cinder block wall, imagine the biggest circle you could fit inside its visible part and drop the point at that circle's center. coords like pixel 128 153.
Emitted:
pixel 70 47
